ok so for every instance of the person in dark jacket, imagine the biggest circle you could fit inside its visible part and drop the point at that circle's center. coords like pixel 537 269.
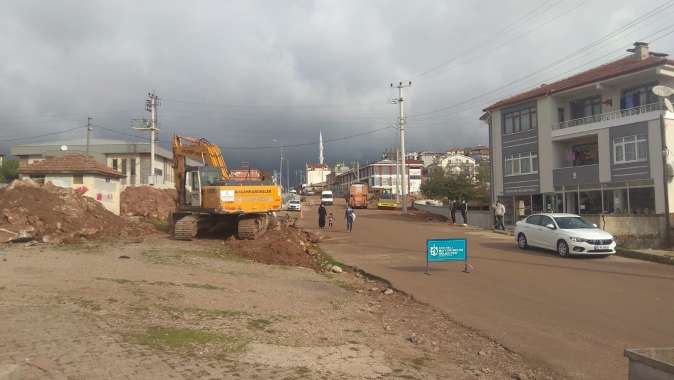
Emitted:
pixel 452 210
pixel 322 213
pixel 463 208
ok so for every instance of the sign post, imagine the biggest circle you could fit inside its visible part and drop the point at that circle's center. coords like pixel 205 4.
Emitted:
pixel 442 250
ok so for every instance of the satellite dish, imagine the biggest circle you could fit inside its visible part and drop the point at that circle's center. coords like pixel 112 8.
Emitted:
pixel 663 91
pixel 64 147
pixel 668 105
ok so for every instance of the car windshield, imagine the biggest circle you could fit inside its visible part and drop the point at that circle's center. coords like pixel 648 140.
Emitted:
pixel 572 223
pixel 295 202
pixel 327 195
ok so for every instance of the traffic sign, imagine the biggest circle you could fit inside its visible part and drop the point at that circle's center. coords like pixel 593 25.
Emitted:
pixel 443 250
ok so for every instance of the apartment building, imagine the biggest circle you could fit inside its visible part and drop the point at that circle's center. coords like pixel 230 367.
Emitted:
pixel 594 143
pixel 381 176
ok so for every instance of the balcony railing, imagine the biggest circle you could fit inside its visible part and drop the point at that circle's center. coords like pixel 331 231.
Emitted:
pixel 617 114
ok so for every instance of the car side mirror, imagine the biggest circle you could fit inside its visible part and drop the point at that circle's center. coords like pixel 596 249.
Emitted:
pixel 550 226
pixel 595 225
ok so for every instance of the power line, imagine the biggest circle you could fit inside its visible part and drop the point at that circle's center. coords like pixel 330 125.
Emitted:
pixel 604 38
pixel 502 33
pixel 41 135
pixel 230 105
pixel 343 138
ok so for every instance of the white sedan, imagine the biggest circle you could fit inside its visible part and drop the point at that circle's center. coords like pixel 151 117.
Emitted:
pixel 568 234
pixel 294 205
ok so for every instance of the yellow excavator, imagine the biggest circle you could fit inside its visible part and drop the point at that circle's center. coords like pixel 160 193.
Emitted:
pixel 210 198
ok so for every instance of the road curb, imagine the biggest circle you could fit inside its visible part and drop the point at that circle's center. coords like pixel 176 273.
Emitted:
pixel 645 256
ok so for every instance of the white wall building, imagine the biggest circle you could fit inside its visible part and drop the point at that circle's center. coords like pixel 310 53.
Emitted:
pixel 316 174
pixel 459 164
pixel 132 159
pixel 81 173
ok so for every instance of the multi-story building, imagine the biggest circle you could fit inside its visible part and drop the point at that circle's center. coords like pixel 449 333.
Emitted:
pixel 479 153
pixel 132 159
pixel 381 176
pixel 316 175
pixel 458 164
pixel 455 151
pixel 593 143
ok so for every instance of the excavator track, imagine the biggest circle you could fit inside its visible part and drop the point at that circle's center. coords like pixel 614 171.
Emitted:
pixel 186 228
pixel 251 227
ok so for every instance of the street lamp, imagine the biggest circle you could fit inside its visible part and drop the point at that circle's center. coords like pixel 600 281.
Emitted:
pixel 664 93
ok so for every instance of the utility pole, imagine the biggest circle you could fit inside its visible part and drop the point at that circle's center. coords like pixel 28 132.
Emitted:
pixel 280 175
pixel 151 107
pixel 401 122
pixel 398 183
pixel 89 129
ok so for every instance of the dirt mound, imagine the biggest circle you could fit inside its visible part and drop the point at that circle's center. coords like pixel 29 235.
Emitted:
pixel 148 202
pixel 284 244
pixel 51 214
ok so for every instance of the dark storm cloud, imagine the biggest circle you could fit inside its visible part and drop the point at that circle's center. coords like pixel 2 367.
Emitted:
pixel 257 71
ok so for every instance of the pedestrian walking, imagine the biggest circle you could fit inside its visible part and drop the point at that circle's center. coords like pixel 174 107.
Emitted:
pixel 452 210
pixel 331 220
pixel 322 213
pixel 500 211
pixel 350 216
pixel 463 208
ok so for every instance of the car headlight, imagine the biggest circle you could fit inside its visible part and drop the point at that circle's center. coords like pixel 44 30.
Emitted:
pixel 577 239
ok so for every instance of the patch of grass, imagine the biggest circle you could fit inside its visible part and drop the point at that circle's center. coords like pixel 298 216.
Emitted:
pixel 419 362
pixel 119 280
pixel 159 225
pixel 258 324
pixel 207 312
pixel 88 304
pixel 185 339
pixel 163 283
pixel 202 286
pixel 346 285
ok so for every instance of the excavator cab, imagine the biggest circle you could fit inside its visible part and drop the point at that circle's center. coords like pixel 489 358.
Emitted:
pixel 193 188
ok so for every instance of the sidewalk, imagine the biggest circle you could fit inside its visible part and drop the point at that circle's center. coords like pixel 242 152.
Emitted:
pixel 660 256
pixel 654 255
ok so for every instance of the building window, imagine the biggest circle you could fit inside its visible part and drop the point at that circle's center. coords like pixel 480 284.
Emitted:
pixel 78 180
pixel 630 149
pixel 560 115
pixel 124 166
pixel 132 168
pixel 584 154
pixel 520 120
pixel 638 96
pixel 586 107
pixel 521 163
pixel 114 164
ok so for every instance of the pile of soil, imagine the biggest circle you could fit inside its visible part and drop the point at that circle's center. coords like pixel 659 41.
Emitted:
pixel 148 202
pixel 283 244
pixel 51 214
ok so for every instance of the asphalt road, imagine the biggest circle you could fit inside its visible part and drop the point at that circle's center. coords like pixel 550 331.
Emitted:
pixel 576 314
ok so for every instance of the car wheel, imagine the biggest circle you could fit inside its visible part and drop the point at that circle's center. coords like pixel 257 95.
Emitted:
pixel 562 248
pixel 522 241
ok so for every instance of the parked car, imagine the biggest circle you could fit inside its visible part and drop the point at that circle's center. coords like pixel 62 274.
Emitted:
pixel 294 205
pixel 568 234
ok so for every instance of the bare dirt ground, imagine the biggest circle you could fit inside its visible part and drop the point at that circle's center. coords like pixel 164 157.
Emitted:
pixel 169 309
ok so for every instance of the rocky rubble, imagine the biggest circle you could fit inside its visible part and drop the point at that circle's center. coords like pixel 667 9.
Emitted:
pixel 148 202
pixel 33 212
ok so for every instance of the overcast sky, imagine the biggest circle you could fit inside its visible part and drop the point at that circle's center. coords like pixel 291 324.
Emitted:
pixel 263 73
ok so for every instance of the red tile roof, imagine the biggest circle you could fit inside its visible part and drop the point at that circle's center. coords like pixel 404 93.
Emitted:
pixel 613 69
pixel 69 164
